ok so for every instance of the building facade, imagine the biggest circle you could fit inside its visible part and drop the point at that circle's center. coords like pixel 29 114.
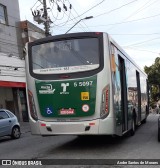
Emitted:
pixel 30 32
pixel 13 36
pixel 12 66
pixel 10 31
pixel 12 86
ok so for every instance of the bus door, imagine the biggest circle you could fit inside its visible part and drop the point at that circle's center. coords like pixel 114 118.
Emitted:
pixel 124 104
pixel 139 96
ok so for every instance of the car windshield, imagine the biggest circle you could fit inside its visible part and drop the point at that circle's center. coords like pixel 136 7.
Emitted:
pixel 69 56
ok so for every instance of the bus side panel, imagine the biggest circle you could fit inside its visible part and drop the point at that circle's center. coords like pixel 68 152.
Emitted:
pixel 131 106
pixel 35 130
pixel 30 87
pixel 107 125
pixel 144 99
pixel 116 92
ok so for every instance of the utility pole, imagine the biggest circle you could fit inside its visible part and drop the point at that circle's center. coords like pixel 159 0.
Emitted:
pixel 41 17
pixel 46 23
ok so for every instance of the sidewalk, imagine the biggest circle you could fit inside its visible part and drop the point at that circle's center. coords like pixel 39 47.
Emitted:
pixel 25 127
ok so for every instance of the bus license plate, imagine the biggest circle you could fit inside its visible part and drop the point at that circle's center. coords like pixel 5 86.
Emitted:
pixel 66 111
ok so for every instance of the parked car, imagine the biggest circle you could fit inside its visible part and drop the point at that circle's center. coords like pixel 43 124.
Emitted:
pixel 9 124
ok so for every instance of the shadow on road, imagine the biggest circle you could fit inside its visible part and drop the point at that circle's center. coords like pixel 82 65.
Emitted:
pixel 144 133
pixel 90 143
pixel 5 139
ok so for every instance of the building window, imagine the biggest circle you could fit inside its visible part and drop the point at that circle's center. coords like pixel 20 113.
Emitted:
pixel 3 14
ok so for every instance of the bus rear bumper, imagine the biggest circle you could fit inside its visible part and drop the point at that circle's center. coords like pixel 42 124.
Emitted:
pixel 94 127
pixel 69 128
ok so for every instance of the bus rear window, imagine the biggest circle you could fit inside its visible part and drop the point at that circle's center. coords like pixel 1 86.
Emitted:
pixel 69 56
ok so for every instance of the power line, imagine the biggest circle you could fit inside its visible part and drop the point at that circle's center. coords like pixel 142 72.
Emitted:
pixel 58 12
pixel 45 19
pixel 142 50
pixel 79 17
pixel 65 13
pixel 60 25
pixel 135 12
pixel 128 21
pixel 51 10
pixel 135 34
pixel 74 17
pixel 86 11
pixel 34 4
pixel 141 8
pixel 139 43
pixel 115 9
pixel 91 8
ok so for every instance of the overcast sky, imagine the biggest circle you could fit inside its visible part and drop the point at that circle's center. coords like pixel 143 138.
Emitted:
pixel 133 24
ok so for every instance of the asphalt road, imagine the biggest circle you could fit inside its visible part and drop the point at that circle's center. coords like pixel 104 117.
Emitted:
pixel 143 145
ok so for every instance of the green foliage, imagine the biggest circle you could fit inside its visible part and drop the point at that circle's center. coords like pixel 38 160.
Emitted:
pixel 153 73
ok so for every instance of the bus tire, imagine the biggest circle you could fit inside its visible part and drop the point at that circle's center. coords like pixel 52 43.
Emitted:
pixel 145 120
pixel 158 130
pixel 158 134
pixel 133 129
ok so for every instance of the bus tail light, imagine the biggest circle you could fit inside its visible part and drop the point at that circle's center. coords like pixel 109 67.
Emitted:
pixel 32 106
pixel 43 125
pixel 105 102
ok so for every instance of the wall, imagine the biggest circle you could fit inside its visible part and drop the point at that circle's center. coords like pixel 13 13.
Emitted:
pixel 10 35
pixel 6 95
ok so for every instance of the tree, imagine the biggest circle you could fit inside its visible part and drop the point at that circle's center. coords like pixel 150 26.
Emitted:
pixel 153 73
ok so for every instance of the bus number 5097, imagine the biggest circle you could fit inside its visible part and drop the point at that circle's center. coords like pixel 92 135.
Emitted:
pixel 87 83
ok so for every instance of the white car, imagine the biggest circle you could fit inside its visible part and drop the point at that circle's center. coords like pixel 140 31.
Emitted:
pixel 9 125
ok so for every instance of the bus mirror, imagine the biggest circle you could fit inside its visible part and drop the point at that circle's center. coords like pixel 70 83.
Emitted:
pixel 113 64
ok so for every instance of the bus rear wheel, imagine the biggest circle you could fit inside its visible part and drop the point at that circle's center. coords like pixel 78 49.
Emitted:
pixel 158 134
pixel 158 130
pixel 133 129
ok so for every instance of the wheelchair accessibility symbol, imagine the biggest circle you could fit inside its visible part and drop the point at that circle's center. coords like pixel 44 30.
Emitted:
pixel 49 111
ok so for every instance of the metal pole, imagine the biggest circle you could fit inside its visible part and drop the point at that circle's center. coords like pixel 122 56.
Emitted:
pixel 73 26
pixel 46 23
pixel 89 17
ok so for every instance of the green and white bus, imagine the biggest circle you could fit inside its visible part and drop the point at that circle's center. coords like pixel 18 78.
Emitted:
pixel 83 84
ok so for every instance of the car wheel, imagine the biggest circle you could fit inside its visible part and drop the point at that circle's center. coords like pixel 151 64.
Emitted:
pixel 16 132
